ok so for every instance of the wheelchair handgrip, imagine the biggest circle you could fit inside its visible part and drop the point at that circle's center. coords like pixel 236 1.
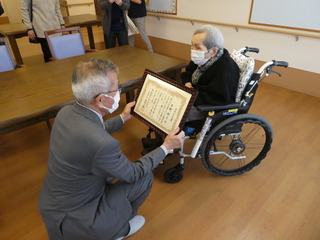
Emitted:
pixel 280 63
pixel 209 108
pixel 252 49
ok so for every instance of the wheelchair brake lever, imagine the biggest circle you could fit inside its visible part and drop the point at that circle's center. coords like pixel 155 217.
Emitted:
pixel 270 70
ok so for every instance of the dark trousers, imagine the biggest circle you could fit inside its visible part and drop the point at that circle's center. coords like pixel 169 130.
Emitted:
pixel 110 40
pixel 45 49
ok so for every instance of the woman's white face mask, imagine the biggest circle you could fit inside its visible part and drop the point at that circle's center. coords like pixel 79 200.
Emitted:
pixel 115 105
pixel 198 57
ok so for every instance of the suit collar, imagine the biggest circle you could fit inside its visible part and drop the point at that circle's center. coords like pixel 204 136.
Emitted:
pixel 87 113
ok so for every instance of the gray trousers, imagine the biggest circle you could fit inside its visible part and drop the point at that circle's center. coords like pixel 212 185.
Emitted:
pixel 140 24
pixel 136 193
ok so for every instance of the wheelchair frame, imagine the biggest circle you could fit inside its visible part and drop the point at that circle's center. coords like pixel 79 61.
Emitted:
pixel 250 135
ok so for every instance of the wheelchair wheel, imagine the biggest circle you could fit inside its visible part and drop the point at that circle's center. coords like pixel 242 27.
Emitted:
pixel 172 175
pixel 237 144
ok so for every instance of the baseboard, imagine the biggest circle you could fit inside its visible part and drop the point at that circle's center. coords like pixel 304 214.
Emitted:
pixel 292 78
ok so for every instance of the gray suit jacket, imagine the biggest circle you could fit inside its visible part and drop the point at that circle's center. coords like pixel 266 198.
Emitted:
pixel 82 157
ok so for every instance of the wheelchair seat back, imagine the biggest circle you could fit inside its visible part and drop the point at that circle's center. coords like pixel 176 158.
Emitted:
pixel 246 67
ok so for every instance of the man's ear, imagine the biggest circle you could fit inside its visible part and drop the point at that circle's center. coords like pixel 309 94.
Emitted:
pixel 98 101
pixel 102 101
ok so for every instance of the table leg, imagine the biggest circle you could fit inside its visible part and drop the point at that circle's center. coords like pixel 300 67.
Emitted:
pixel 90 36
pixel 15 49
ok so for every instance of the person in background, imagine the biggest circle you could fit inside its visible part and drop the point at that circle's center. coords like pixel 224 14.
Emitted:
pixel 212 72
pixel 114 22
pixel 46 15
pixel 137 13
pixel 92 190
pixel 1 9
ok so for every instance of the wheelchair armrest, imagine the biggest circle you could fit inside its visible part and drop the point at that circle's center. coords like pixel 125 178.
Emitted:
pixel 209 108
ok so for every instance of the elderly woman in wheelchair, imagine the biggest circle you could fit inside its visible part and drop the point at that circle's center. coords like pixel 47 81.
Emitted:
pixel 228 139
pixel 212 72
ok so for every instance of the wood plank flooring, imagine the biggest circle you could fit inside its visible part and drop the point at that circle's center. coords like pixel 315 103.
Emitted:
pixel 278 200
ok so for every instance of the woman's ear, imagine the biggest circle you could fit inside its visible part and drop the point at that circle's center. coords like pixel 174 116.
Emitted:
pixel 214 51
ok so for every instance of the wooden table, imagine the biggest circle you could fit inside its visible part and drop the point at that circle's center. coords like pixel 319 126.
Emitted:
pixel 33 94
pixel 17 30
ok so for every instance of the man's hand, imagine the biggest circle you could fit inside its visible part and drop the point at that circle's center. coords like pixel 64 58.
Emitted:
pixel 173 141
pixel 126 114
pixel 118 2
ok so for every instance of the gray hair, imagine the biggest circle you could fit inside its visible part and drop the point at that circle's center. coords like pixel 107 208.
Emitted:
pixel 214 36
pixel 90 78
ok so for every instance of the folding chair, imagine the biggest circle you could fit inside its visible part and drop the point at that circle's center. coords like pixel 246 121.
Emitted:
pixel 7 62
pixel 65 45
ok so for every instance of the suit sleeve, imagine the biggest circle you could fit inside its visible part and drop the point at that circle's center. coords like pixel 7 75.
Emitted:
pixel 113 124
pixel 111 162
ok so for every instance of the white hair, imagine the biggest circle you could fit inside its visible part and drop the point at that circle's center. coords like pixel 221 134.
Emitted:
pixel 90 78
pixel 214 36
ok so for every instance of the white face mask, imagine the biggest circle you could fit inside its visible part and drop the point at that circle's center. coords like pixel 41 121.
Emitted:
pixel 115 105
pixel 198 57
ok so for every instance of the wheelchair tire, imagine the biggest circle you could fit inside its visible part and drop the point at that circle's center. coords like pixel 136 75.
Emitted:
pixel 171 175
pixel 245 137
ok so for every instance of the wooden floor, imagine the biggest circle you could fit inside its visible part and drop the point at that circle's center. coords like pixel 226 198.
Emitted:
pixel 278 200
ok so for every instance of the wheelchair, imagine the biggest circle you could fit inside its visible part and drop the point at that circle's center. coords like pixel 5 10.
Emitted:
pixel 231 140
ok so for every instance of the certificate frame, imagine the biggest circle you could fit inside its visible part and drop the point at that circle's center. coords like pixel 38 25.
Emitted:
pixel 162 104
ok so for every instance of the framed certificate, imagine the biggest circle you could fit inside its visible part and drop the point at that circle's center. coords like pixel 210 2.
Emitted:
pixel 161 103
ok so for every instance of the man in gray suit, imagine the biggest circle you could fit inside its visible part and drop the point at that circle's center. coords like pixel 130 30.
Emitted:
pixel 80 198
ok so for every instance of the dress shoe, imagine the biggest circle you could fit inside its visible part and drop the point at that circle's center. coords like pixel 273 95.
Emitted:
pixel 135 224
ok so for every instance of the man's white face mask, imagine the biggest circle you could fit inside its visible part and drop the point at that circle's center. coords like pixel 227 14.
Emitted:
pixel 198 57
pixel 115 104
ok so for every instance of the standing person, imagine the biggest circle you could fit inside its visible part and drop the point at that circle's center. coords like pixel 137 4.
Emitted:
pixel 114 22
pixel 138 12
pixel 80 199
pixel 46 15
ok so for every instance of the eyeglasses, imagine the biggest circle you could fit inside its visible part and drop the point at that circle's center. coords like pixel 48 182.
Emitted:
pixel 120 90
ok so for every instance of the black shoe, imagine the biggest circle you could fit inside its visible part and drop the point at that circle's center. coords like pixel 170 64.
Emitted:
pixel 149 142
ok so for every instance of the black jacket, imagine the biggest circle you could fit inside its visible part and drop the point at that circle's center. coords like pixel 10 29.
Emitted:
pixel 218 84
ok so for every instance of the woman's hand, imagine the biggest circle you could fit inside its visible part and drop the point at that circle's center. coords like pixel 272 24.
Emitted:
pixel 189 85
pixel 31 34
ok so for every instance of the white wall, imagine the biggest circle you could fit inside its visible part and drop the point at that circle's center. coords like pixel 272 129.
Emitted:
pixel 303 54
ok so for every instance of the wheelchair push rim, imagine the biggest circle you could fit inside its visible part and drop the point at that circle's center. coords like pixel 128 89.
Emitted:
pixel 237 144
